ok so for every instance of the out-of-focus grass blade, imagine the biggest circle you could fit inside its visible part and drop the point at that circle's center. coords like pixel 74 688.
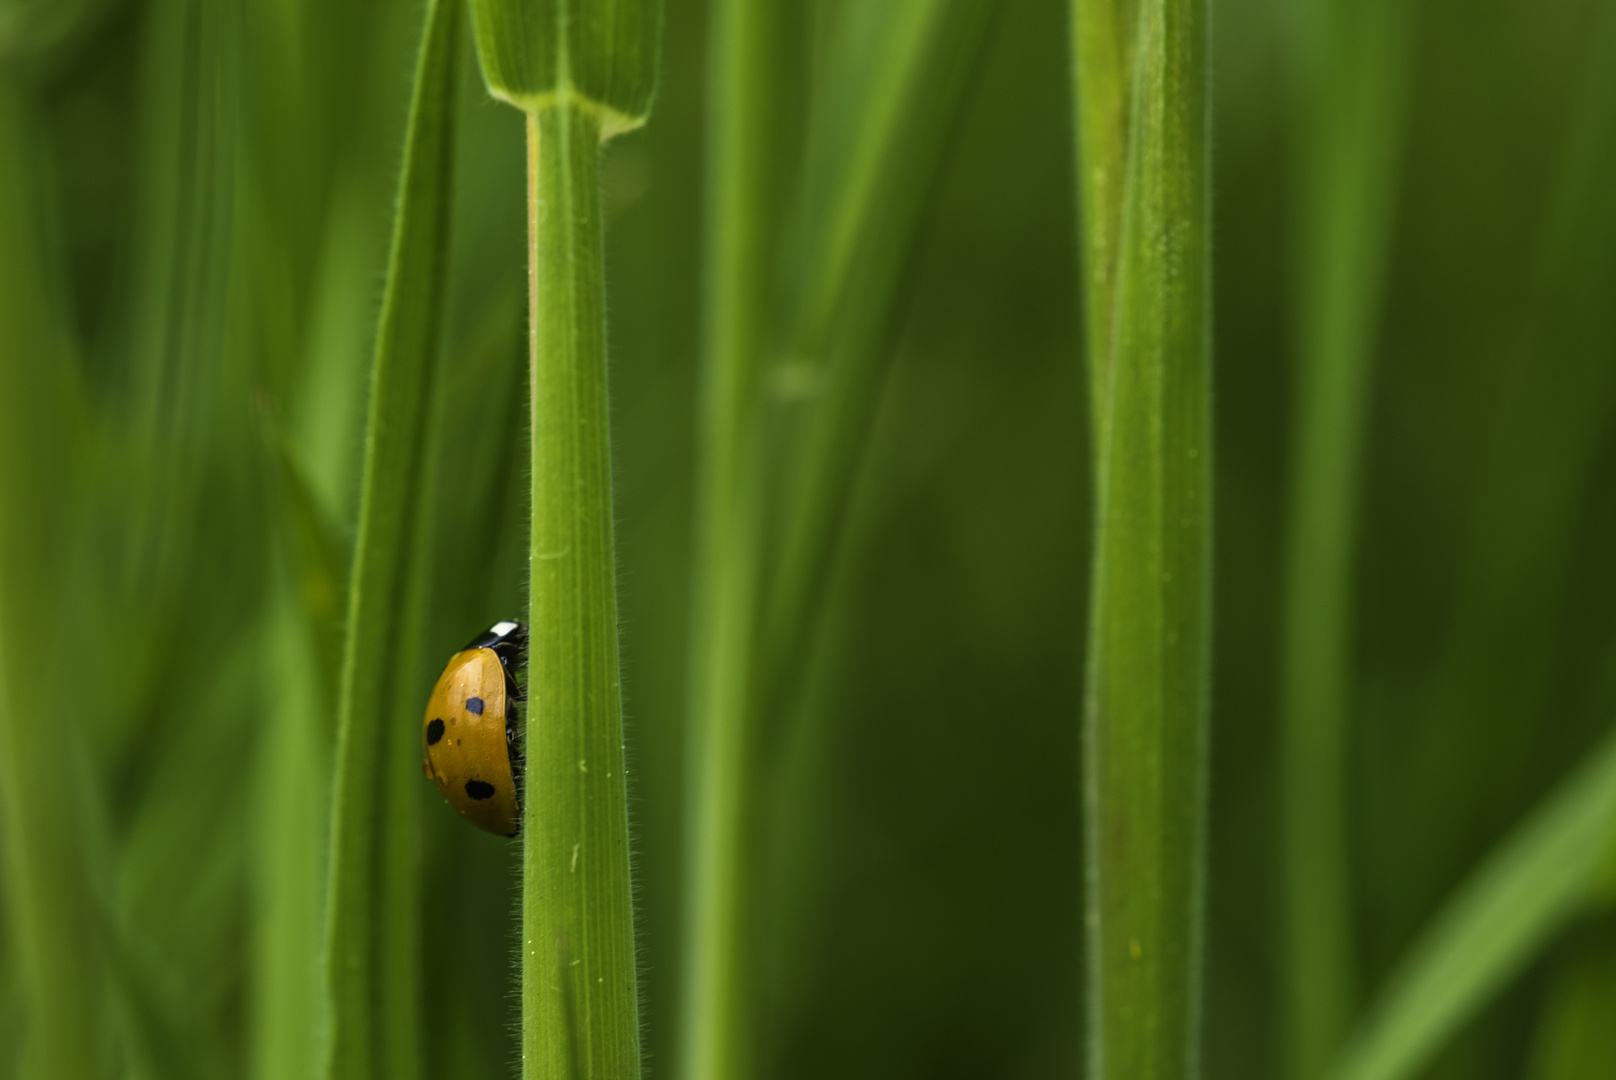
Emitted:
pixel 372 946
pixel 482 433
pixel 172 953
pixel 1539 467
pixel 310 550
pixel 1349 62
pixel 302 646
pixel 1149 647
pixel 896 80
pixel 292 829
pixel 154 1045
pixel 176 958
pixel 1557 862
pixel 894 96
pixel 744 102
pixel 43 768
pixel 1542 875
pixel 175 478
pixel 1525 521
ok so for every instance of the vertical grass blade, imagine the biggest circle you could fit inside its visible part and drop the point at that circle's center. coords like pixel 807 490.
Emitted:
pixel 896 78
pixel 1349 64
pixel 53 919
pixel 899 82
pixel 1555 865
pixel 292 827
pixel 1558 862
pixel 743 104
pixel 1145 723
pixel 580 1002
pixel 372 944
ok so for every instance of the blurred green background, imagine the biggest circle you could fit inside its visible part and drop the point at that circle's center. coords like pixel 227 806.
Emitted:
pixel 195 198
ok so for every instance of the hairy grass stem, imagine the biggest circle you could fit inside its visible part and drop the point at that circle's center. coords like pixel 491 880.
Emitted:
pixel 580 1001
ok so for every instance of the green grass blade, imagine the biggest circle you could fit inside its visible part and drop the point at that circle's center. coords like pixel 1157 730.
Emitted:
pixel 1552 866
pixel 292 828
pixel 171 332
pixel 302 645
pixel 1350 65
pixel 896 78
pixel 744 100
pixel 580 1005
pixel 1544 873
pixel 1504 916
pixel 1145 723
pixel 896 96
pixel 43 769
pixel 371 947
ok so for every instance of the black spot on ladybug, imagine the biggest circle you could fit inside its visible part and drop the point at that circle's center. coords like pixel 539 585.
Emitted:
pixel 479 790
pixel 474 705
pixel 434 732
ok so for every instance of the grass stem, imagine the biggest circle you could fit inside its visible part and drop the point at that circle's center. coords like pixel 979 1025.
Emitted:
pixel 1145 721
pixel 580 1006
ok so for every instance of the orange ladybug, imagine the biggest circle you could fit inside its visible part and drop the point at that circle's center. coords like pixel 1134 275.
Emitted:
pixel 469 731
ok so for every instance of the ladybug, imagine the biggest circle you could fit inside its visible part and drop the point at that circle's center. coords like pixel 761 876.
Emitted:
pixel 469 731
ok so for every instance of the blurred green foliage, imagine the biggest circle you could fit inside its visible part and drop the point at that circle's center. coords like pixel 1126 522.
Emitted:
pixel 195 201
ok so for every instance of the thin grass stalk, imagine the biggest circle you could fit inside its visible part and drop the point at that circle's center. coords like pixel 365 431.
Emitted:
pixel 371 948
pixel 1348 60
pixel 743 100
pixel 580 1003
pixel 54 921
pixel 1145 721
